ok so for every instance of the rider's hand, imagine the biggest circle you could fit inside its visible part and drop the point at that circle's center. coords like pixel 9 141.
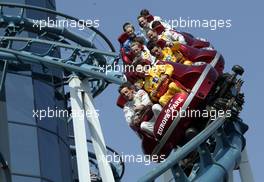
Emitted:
pixel 136 121
pixel 169 44
pixel 154 93
pixel 139 108
pixel 163 77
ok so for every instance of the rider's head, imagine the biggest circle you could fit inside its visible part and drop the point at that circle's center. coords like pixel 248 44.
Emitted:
pixel 144 12
pixel 136 48
pixel 142 21
pixel 152 35
pixel 127 91
pixel 155 24
pixel 129 29
pixel 155 49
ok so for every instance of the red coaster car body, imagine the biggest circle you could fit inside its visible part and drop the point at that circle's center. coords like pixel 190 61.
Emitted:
pixel 193 42
pixel 200 55
pixel 198 79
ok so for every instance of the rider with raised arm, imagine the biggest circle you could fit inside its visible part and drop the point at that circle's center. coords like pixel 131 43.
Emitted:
pixel 131 34
pixel 158 83
pixel 170 36
pixel 138 106
pixel 167 53
pixel 145 20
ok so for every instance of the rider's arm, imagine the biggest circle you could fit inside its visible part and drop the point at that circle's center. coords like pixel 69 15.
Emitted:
pixel 126 45
pixel 145 100
pixel 175 47
pixel 168 69
pixel 165 24
pixel 129 114
pixel 176 37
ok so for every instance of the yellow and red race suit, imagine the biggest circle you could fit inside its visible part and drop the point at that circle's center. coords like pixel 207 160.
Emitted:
pixel 174 55
pixel 161 90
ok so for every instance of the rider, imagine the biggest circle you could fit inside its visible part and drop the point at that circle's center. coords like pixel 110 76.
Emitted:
pixel 158 83
pixel 168 53
pixel 137 106
pixel 170 36
pixel 141 52
pixel 145 23
pixel 129 29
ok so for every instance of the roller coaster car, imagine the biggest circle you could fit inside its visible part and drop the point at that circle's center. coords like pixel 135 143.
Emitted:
pixel 206 89
pixel 191 53
pixel 200 55
pixel 183 74
pixel 194 42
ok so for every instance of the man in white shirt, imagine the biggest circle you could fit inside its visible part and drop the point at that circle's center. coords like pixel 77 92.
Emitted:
pixel 170 36
pixel 146 24
pixel 140 52
pixel 137 103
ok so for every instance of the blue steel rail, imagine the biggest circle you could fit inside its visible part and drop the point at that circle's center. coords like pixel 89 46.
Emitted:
pixel 214 165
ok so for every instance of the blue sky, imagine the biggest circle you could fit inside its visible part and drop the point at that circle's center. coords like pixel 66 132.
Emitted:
pixel 242 44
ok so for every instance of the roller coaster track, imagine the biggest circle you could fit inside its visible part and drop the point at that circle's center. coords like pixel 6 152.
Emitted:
pixel 84 57
pixel 219 147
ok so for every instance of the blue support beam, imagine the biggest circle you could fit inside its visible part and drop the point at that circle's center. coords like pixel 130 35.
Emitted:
pixel 3 75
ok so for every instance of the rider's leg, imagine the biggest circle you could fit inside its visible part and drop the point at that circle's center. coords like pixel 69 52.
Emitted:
pixel 172 90
pixel 148 126
pixel 156 109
